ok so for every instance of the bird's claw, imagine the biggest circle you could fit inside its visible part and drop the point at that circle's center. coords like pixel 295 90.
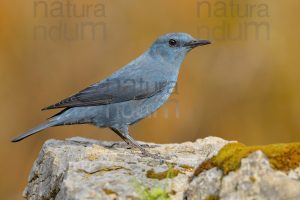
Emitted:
pixel 154 156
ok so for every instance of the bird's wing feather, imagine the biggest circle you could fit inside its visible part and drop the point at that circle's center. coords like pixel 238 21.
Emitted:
pixel 111 91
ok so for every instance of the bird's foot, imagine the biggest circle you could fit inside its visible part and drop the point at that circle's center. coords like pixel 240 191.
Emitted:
pixel 154 156
pixel 149 146
pixel 144 152
pixel 118 145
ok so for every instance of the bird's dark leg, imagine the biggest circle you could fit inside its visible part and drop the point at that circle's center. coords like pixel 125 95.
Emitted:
pixel 124 134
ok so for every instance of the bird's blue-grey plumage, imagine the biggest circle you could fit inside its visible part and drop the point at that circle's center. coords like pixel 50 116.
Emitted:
pixel 130 94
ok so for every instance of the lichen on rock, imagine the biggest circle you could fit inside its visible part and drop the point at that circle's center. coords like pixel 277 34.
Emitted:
pixel 249 172
pixel 283 157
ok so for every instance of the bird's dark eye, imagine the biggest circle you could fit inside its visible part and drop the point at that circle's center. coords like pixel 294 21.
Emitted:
pixel 172 43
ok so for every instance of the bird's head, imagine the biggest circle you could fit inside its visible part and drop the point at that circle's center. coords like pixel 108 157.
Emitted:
pixel 173 47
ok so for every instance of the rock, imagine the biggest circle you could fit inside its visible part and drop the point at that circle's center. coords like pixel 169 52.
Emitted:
pixel 209 168
pixel 257 180
pixel 80 168
pixel 254 179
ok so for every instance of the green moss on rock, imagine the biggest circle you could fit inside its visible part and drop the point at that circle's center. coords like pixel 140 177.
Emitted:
pixel 212 197
pixel 170 173
pixel 187 167
pixel 282 157
pixel 109 191
pixel 253 179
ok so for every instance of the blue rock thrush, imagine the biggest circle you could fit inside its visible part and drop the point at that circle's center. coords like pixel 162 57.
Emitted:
pixel 130 94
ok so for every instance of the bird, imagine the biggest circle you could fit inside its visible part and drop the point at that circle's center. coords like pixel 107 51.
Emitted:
pixel 130 94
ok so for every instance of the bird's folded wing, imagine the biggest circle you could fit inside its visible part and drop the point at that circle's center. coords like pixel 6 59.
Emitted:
pixel 111 91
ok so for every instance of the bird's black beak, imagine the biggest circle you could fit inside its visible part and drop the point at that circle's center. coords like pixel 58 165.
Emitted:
pixel 196 43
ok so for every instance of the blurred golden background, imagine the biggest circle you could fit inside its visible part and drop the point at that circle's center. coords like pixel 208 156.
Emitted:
pixel 245 86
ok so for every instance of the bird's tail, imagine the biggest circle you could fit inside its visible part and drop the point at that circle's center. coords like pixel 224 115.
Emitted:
pixel 37 129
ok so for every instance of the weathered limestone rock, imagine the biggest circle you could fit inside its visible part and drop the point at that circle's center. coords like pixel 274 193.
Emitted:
pixel 255 179
pixel 80 168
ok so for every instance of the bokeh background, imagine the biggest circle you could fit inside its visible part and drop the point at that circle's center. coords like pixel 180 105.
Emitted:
pixel 245 86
